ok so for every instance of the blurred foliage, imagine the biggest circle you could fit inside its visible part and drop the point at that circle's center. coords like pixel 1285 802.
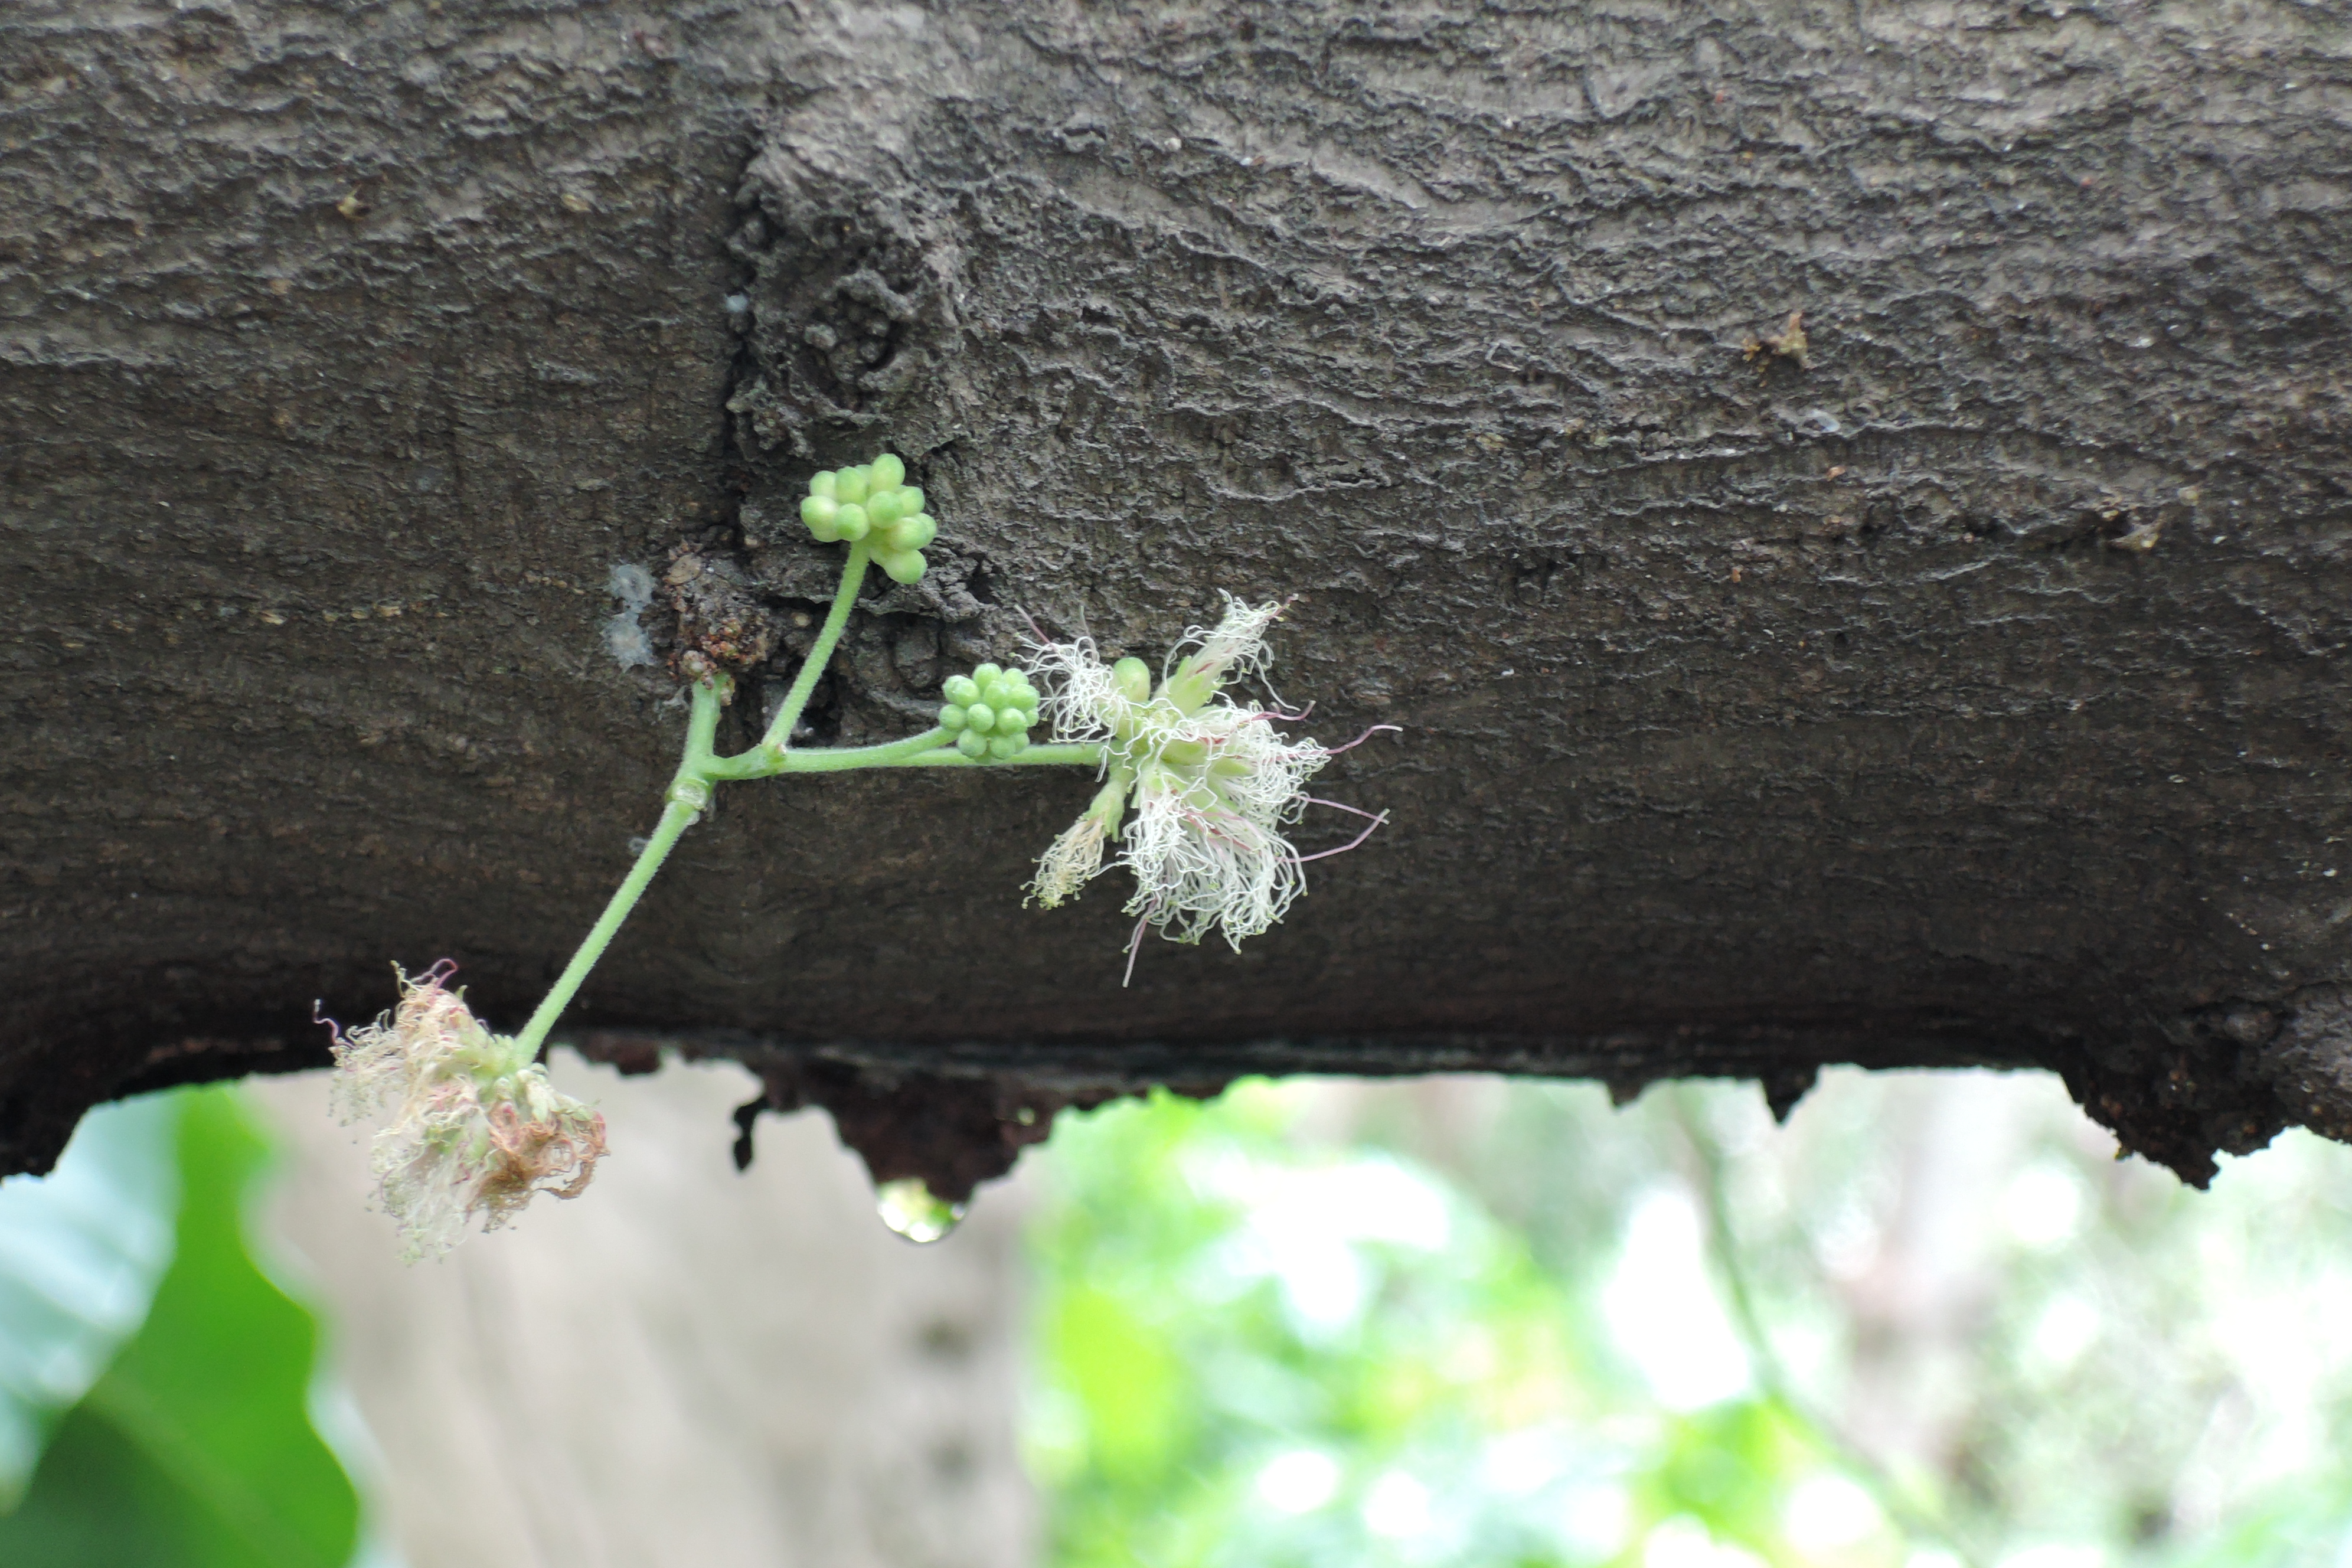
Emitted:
pixel 1265 1352
pixel 1931 1322
pixel 81 1252
pixel 196 1449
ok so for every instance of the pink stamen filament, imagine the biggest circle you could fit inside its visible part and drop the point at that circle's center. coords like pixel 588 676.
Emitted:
pixel 1367 735
pixel 1208 829
pixel 1134 947
pixel 1374 826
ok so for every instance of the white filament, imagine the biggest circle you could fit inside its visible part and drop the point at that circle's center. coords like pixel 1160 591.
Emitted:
pixel 1069 863
pixel 1205 842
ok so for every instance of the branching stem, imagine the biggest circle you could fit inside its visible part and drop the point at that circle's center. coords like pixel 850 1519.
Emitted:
pixel 701 768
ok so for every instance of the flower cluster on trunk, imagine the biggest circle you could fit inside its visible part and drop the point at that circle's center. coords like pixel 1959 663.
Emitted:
pixel 1211 784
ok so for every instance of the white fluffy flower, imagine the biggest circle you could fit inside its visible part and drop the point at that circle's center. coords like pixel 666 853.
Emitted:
pixel 477 1128
pixel 1211 784
pixel 1206 845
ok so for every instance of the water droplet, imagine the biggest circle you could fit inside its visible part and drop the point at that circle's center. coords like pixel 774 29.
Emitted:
pixel 908 1206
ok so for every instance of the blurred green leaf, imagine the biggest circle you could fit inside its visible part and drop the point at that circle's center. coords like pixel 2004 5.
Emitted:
pixel 1127 1380
pixel 81 1251
pixel 196 1450
pixel 1728 1466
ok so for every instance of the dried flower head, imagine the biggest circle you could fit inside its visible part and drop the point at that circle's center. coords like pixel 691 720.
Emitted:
pixel 476 1127
pixel 1212 785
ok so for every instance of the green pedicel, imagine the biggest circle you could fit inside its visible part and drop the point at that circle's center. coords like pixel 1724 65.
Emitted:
pixel 985 720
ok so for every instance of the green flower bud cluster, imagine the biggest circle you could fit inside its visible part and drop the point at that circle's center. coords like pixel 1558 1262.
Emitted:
pixel 991 712
pixel 873 503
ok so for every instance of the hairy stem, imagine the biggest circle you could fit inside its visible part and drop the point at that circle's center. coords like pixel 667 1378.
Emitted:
pixel 779 737
pixel 939 756
pixel 689 792
pixel 841 759
pixel 932 749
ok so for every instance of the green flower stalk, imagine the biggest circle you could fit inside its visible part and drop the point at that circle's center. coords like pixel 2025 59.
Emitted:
pixel 1196 792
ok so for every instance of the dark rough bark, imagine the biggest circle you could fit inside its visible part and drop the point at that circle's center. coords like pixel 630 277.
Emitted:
pixel 1957 682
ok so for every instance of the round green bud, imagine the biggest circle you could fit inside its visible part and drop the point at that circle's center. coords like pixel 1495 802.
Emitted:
pixel 972 743
pixel 887 472
pixel 981 717
pixel 914 531
pixel 1013 721
pixel 817 511
pixel 882 508
pixel 904 565
pixel 850 519
pixel 997 693
pixel 960 688
pixel 952 717
pixel 821 484
pixel 914 498
pixel 1025 699
pixel 988 672
pixel 827 532
pixel 1004 746
pixel 1133 678
pixel 849 484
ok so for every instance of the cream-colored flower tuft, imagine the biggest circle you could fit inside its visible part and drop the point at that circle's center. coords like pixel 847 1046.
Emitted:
pixel 1212 785
pixel 1070 862
pixel 1206 845
pixel 476 1127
